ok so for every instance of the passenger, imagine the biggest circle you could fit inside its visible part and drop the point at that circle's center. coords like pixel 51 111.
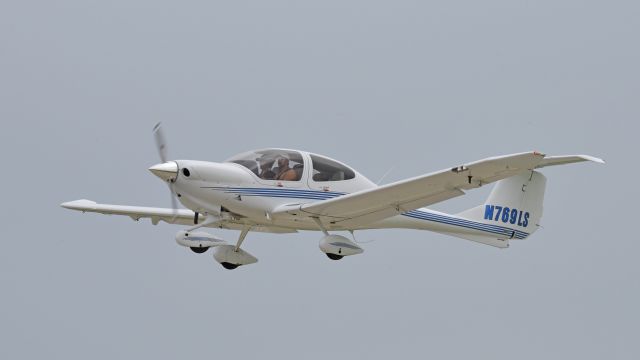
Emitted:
pixel 284 172
pixel 266 162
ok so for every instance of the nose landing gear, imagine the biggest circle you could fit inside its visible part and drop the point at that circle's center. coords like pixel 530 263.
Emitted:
pixel 231 256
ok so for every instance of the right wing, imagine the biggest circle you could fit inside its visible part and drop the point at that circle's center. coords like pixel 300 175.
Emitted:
pixel 170 216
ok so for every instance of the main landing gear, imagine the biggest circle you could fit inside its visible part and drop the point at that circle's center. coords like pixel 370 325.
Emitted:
pixel 334 256
pixel 336 246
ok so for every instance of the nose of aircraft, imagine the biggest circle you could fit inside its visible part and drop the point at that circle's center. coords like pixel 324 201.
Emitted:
pixel 165 171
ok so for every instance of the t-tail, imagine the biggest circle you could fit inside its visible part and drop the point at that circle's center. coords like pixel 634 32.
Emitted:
pixel 513 210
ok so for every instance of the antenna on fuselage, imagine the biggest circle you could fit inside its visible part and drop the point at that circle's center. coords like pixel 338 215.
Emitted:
pixel 385 175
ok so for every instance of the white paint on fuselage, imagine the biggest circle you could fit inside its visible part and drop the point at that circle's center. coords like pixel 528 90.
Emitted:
pixel 212 186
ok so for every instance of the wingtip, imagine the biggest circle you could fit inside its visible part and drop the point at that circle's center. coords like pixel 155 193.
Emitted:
pixel 593 159
pixel 77 204
pixel 567 159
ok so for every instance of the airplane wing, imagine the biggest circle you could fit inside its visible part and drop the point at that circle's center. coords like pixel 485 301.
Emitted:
pixel 180 216
pixel 367 206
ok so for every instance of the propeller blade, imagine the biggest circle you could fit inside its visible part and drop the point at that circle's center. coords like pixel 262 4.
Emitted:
pixel 161 143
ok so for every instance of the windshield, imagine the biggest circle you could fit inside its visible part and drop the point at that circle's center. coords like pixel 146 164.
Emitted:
pixel 272 164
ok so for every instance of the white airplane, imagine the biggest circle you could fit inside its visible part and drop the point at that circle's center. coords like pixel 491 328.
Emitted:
pixel 283 191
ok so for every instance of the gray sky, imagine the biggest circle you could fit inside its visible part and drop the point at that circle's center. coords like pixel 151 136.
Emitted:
pixel 418 85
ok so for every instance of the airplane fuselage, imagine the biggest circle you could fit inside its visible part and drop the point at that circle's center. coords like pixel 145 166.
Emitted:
pixel 214 187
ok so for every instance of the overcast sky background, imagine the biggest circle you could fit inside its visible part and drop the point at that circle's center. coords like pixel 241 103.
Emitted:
pixel 412 84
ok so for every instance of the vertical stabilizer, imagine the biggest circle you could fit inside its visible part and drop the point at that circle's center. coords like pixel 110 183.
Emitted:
pixel 514 203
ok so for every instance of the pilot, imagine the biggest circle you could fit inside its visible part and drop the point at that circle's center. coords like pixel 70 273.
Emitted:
pixel 266 162
pixel 284 172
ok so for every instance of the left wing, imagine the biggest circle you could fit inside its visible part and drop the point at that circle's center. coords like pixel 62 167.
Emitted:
pixel 170 216
pixel 367 206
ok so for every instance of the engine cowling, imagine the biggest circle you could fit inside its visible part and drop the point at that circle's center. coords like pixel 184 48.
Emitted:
pixel 198 239
pixel 228 257
pixel 337 246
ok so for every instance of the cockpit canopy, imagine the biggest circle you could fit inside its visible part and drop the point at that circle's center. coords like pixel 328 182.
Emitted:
pixel 272 164
pixel 289 165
